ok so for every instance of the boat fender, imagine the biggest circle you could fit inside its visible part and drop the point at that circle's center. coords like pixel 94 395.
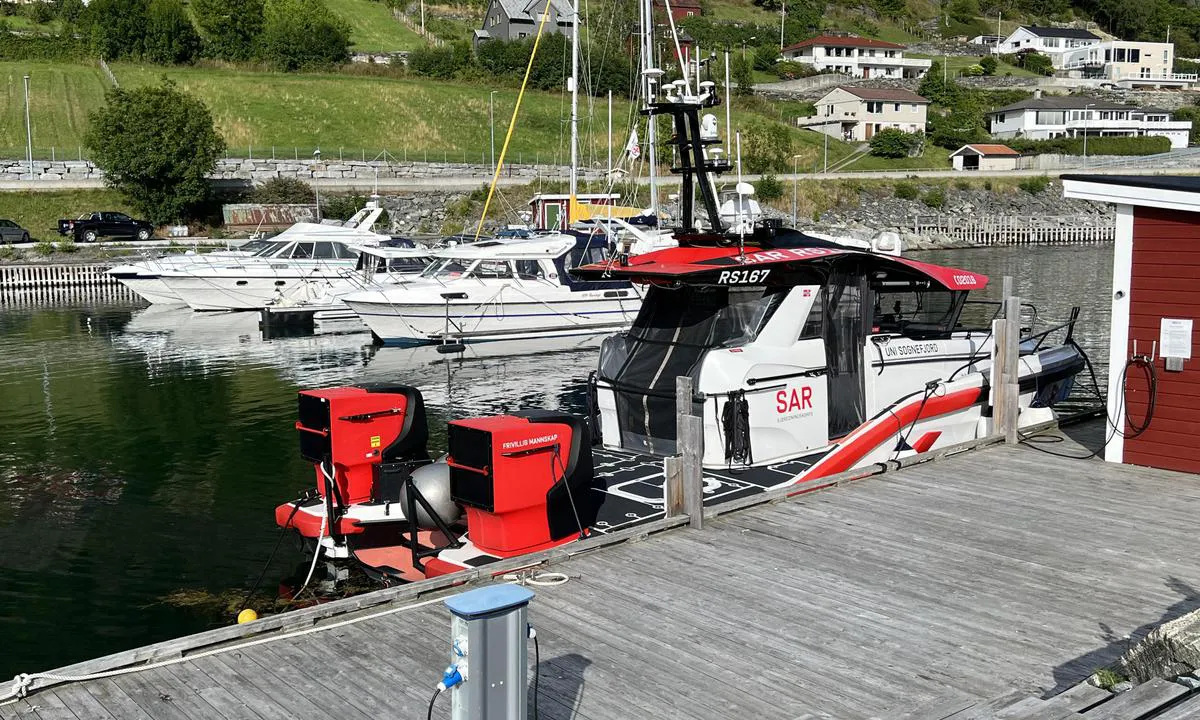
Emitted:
pixel 736 420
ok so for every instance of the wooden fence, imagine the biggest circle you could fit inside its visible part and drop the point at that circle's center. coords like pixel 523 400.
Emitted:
pixel 1017 230
pixel 38 283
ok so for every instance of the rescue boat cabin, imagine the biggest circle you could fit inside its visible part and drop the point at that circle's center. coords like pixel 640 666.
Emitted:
pixel 809 339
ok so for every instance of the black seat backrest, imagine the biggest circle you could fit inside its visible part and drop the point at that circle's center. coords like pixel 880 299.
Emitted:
pixel 412 443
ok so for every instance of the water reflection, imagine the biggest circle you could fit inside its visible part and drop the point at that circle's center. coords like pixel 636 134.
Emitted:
pixel 142 450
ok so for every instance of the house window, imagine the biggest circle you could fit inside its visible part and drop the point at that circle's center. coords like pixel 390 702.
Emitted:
pixel 1050 42
pixel 1051 117
pixel 874 107
pixel 999 117
pixel 1164 57
pixel 829 110
pixel 1119 55
pixel 690 13
pixel 522 35
pixel 1107 56
pixel 896 107
pixel 1145 72
pixel 1135 55
pixel 915 107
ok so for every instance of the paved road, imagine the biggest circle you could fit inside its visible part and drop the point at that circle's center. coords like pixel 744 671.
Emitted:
pixel 470 183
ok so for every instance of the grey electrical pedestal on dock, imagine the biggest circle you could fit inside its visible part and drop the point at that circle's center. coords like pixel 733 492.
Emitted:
pixel 489 637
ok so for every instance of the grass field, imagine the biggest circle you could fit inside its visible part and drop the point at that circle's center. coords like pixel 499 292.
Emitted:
pixel 372 27
pixel 354 114
pixel 957 63
pixel 38 212
pixel 60 96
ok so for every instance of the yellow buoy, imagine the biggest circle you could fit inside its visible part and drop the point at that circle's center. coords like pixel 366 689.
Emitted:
pixel 246 616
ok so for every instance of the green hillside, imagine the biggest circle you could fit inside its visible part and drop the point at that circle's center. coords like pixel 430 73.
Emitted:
pixel 295 113
pixel 372 27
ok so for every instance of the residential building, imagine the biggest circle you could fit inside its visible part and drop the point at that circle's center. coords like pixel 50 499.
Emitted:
pixel 1083 54
pixel 1044 117
pixel 855 114
pixel 1052 41
pixel 1127 64
pixel 982 156
pixel 856 56
pixel 988 40
pixel 680 10
pixel 519 19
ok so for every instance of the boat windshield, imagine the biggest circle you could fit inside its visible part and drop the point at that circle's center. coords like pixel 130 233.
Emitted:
pixel 254 246
pixel 671 335
pixel 271 247
pixel 446 268
pixel 488 268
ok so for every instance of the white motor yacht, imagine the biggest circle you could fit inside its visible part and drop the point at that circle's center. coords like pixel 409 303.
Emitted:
pixel 144 278
pixel 500 289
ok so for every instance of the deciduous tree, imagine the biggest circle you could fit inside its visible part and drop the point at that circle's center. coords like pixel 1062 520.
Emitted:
pixel 171 38
pixel 230 27
pixel 302 34
pixel 156 145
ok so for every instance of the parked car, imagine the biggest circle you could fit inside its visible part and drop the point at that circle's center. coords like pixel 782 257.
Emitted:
pixel 10 232
pixel 92 226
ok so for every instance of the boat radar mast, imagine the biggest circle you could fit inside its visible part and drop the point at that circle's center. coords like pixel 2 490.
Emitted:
pixel 691 137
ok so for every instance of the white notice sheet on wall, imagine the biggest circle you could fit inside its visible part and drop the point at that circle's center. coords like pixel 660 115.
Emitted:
pixel 1175 338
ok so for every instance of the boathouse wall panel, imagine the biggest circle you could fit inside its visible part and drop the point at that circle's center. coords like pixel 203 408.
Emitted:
pixel 1165 283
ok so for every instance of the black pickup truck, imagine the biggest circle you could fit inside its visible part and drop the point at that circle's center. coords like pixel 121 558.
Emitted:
pixel 90 227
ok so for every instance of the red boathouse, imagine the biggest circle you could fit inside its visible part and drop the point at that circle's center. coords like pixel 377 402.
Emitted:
pixel 1154 374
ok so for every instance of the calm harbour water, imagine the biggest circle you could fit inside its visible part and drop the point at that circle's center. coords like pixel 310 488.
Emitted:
pixel 142 450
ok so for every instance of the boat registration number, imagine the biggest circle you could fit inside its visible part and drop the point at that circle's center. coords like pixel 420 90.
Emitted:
pixel 742 277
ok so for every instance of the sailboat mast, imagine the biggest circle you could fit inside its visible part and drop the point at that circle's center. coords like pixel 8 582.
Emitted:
pixel 647 64
pixel 574 88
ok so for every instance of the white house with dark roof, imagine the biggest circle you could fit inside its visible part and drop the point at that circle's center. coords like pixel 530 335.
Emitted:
pixel 1044 117
pixel 855 114
pixel 519 19
pixel 1052 41
pixel 855 56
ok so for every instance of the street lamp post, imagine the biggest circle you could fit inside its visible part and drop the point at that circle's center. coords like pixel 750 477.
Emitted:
pixel 795 187
pixel 492 126
pixel 825 167
pixel 1087 112
pixel 752 39
pixel 28 131
pixel 316 188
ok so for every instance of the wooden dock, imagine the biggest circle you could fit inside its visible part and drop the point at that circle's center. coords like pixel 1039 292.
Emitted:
pixel 1001 572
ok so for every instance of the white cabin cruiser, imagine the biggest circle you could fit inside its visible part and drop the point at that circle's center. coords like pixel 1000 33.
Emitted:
pixel 144 278
pixel 321 298
pixel 500 289
pixel 250 283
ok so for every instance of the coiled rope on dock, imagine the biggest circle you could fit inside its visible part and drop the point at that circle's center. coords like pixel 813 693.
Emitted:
pixel 22 683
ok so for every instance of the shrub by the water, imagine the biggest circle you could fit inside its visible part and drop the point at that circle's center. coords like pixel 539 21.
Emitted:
pixel 1034 185
pixel 935 198
pixel 769 188
pixel 907 191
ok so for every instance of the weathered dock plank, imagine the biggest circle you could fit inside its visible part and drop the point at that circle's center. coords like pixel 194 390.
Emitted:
pixel 1188 710
pixel 924 593
pixel 1139 702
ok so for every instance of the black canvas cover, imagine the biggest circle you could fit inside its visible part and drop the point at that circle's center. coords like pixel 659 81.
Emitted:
pixel 672 333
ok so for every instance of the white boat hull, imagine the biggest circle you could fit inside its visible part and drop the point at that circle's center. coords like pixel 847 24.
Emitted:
pixel 152 289
pixel 422 323
pixel 231 292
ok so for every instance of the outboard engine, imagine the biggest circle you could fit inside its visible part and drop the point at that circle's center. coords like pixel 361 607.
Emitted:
pixel 365 440
pixel 526 479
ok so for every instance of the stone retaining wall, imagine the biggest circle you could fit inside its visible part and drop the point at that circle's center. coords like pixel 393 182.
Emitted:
pixel 260 170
